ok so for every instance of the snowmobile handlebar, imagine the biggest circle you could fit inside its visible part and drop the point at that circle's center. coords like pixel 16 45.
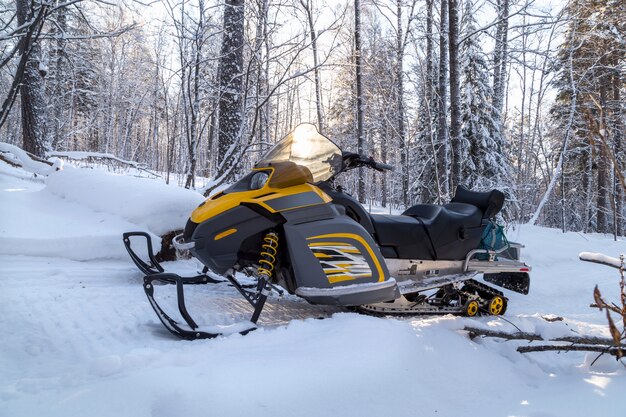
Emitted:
pixel 354 160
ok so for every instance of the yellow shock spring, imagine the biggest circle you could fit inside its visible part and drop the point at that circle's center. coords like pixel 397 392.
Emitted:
pixel 268 254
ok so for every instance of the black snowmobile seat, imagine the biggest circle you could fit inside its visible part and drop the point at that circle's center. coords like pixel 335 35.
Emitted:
pixel 456 230
pixel 489 202
pixel 428 231
pixel 405 234
pixel 426 212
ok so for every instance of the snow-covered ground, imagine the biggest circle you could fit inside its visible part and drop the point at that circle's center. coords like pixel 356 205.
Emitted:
pixel 80 339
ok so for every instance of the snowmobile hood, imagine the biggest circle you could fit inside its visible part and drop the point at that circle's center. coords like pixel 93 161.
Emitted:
pixel 276 187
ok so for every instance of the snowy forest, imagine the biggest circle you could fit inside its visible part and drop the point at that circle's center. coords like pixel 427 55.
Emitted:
pixel 521 95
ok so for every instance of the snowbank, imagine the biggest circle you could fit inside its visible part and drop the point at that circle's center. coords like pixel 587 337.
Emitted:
pixel 149 204
pixel 81 213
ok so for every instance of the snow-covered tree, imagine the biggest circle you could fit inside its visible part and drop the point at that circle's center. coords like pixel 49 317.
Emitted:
pixel 483 146
pixel 589 113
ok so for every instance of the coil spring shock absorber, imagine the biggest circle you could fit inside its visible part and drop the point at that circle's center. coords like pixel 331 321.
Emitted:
pixel 269 252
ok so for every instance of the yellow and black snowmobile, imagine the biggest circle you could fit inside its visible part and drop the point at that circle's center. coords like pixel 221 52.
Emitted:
pixel 288 226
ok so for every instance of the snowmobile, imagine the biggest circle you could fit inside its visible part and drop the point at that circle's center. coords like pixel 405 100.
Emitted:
pixel 288 226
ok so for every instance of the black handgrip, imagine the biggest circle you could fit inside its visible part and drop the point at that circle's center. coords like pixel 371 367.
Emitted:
pixel 382 167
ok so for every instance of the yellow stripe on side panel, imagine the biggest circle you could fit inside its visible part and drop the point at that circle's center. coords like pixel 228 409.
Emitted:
pixel 224 234
pixel 361 241
pixel 340 278
pixel 313 245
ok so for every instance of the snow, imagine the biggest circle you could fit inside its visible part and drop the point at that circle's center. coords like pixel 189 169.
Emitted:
pixel 80 338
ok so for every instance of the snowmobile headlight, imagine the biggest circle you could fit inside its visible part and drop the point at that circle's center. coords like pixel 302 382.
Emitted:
pixel 258 180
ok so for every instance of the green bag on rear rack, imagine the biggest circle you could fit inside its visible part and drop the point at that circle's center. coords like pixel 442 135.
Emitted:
pixel 493 239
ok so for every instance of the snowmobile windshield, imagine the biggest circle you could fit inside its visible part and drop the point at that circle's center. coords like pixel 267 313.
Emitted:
pixel 305 146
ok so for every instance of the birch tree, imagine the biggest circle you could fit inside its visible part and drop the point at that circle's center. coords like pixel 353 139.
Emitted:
pixel 500 56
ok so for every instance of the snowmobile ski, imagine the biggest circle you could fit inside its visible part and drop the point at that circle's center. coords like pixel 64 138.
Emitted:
pixel 193 331
pixel 154 272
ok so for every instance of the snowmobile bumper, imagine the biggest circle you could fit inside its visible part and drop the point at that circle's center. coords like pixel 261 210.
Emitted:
pixel 150 267
pixel 351 295
pixel 180 244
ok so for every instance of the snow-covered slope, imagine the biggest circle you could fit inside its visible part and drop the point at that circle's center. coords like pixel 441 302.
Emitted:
pixel 80 339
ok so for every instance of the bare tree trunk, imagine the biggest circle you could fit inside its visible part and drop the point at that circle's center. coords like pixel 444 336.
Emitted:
pixel 231 84
pixel 404 169
pixel 260 68
pixel 618 150
pixel 194 106
pixel 429 99
pixel 520 162
pixel 603 205
pixel 32 93
pixel 442 108
pixel 587 156
pixel 383 158
pixel 500 57
pixel 455 95
pixel 359 96
pixel 430 60
pixel 59 101
pixel 316 72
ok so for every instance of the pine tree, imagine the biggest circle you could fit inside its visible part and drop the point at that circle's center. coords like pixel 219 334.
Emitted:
pixel 483 145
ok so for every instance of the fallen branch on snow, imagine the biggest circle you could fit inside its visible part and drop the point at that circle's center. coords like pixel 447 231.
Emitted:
pixel 612 350
pixel 583 340
pixel 103 158
pixel 18 157
pixel 578 343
